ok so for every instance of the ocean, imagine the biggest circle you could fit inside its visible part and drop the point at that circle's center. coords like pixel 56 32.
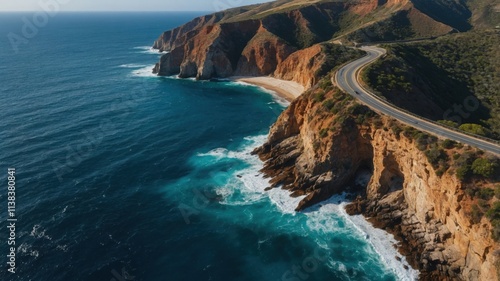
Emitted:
pixel 122 175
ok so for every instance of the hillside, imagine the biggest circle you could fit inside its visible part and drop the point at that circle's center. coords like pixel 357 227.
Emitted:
pixel 257 39
pixel 431 78
pixel 485 13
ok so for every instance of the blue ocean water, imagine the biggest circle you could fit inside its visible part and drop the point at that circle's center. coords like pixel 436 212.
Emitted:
pixel 125 176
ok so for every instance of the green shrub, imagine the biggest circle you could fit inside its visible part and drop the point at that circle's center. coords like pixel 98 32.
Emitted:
pixel 463 172
pixel 378 123
pixel 323 133
pixel 448 123
pixel 360 119
pixel 325 84
pixel 483 167
pixel 435 155
pixel 485 193
pixel 319 96
pixel 440 172
pixel 328 104
pixel 408 132
pixel 476 214
pixel 396 130
pixel 463 165
pixel 448 144
pixel 494 212
pixel 484 205
pixel 470 191
pixel 495 232
pixel 474 129
pixel 358 109
pixel 335 110
pixel 497 191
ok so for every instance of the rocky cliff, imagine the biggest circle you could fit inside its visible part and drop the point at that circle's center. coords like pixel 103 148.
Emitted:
pixel 324 139
pixel 274 38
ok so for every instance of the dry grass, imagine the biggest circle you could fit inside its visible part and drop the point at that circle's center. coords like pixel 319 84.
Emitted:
pixel 262 10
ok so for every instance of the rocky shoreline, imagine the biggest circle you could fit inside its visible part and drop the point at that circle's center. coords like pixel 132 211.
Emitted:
pixel 404 196
pixel 423 246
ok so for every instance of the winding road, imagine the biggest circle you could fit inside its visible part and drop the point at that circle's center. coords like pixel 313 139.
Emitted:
pixel 347 79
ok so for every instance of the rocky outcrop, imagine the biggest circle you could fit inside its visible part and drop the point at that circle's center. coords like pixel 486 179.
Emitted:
pixel 312 151
pixel 302 66
pixel 263 53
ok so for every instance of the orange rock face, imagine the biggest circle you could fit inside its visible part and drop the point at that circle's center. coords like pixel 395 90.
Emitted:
pixel 281 42
pixel 262 54
pixel 302 66
pixel 427 213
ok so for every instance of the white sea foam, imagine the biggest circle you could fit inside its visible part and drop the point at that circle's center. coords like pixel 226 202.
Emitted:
pixel 27 250
pixel 39 232
pixel 251 179
pixel 382 242
pixel 218 153
pixel 144 72
pixel 132 65
pixel 322 218
pixel 149 50
pixel 277 98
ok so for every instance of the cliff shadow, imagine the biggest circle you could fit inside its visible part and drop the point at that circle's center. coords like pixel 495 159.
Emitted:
pixel 391 178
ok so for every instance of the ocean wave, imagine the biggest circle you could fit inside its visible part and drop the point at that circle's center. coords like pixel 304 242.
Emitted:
pixel 383 243
pixel 250 182
pixel 149 50
pixel 326 218
pixel 144 72
pixel 39 232
pixel 26 249
pixel 132 65
pixel 277 98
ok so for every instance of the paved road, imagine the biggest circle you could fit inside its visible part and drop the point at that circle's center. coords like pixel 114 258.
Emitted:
pixel 346 79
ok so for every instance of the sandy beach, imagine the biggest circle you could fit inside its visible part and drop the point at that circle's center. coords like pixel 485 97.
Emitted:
pixel 286 89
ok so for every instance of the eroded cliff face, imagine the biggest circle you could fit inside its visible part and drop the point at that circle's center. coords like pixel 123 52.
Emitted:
pixel 245 48
pixel 323 139
pixel 281 39
pixel 302 66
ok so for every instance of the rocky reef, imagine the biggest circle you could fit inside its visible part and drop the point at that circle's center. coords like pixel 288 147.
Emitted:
pixel 324 139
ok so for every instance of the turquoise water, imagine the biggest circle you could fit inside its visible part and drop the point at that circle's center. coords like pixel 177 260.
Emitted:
pixel 123 175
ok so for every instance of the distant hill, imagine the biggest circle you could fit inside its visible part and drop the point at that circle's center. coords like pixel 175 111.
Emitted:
pixel 258 39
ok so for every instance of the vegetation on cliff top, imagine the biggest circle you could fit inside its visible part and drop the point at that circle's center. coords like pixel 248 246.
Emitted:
pixel 478 172
pixel 335 56
pixel 455 77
